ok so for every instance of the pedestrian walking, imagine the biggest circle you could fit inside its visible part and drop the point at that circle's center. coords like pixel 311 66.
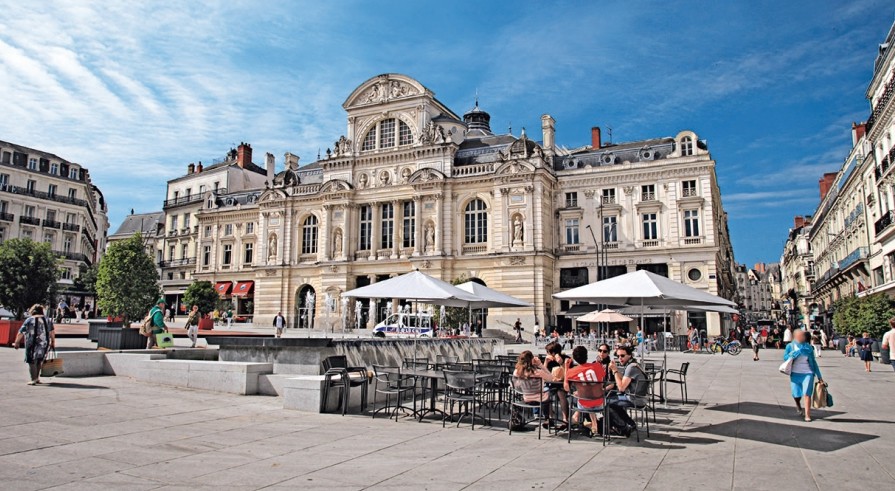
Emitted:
pixel 787 336
pixel 755 339
pixel 693 336
pixel 279 323
pixel 865 350
pixel 889 342
pixel 157 323
pixel 229 317
pixel 192 325
pixel 518 328
pixel 804 369
pixel 816 343
pixel 38 338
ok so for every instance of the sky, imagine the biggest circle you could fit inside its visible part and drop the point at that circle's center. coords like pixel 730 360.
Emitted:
pixel 137 90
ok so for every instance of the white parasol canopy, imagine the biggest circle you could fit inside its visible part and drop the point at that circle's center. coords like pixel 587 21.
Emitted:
pixel 490 298
pixel 647 309
pixel 642 288
pixel 607 315
pixel 417 287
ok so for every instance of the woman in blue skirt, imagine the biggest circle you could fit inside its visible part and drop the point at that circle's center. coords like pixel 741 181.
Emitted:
pixel 804 369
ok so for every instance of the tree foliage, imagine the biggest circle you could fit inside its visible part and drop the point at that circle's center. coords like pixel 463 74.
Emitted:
pixel 456 316
pixel 203 294
pixel 28 274
pixel 86 280
pixel 854 315
pixel 127 282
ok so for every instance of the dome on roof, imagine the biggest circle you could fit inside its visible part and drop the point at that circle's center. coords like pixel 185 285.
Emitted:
pixel 478 119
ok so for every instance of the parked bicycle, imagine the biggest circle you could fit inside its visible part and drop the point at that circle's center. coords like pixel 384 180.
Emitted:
pixel 721 345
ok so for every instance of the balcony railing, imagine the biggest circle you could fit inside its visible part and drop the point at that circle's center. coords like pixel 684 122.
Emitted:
pixel 571 247
pixel 691 241
pixel 610 245
pixel 609 200
pixel 853 257
pixel 881 104
pixel 649 243
pixel 42 195
pixel 884 222
pixel 854 215
pixel 173 263
pixel 71 227
pixel 52 224
pixel 7 217
pixel 474 248
pixel 689 192
pixel 649 197
pixel 29 220
pixel 73 256
pixel 185 200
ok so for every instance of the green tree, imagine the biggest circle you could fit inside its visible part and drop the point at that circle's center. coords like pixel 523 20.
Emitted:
pixel 127 282
pixel 854 315
pixel 203 294
pixel 28 273
pixel 86 280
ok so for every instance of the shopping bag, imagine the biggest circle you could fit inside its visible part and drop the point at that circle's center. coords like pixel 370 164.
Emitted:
pixel 52 365
pixel 819 398
pixel 164 340
pixel 786 367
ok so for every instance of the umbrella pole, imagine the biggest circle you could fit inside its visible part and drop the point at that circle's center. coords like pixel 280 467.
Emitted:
pixel 665 354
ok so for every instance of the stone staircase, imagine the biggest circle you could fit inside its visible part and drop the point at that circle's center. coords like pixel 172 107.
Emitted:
pixel 507 337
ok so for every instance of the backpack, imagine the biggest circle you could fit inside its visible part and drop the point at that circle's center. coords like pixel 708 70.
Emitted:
pixel 146 326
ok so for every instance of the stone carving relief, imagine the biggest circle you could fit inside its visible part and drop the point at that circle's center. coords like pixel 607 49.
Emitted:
pixel 428 134
pixel 382 91
pixel 385 178
pixel 342 147
pixel 362 181
pixel 405 175
pixel 429 243
pixel 272 248
pixel 337 243
pixel 517 260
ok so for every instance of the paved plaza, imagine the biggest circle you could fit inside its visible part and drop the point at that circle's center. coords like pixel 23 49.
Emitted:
pixel 741 432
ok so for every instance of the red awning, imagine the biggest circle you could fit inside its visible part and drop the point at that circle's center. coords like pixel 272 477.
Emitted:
pixel 223 288
pixel 243 288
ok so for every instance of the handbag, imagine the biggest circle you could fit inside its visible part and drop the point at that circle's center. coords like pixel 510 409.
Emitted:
pixel 786 367
pixel 819 398
pixel 164 340
pixel 52 366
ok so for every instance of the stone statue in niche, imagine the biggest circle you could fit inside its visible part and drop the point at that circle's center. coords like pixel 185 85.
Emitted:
pixel 272 248
pixel 337 243
pixel 384 178
pixel 362 181
pixel 518 231
pixel 405 175
pixel 430 237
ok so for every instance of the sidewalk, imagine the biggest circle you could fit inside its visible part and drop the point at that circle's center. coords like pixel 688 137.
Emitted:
pixel 113 433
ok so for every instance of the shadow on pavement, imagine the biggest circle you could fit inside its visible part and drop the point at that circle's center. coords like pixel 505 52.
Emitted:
pixel 803 435
pixel 855 420
pixel 767 410
pixel 68 385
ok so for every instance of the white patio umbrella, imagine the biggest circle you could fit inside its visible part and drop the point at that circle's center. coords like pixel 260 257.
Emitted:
pixel 606 315
pixel 490 298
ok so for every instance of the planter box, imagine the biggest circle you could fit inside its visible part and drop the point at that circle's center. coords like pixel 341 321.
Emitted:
pixel 93 327
pixel 8 331
pixel 206 324
pixel 118 338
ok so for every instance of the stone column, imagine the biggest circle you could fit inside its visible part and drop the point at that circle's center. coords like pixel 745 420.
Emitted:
pixel 439 225
pixel 371 313
pixel 325 232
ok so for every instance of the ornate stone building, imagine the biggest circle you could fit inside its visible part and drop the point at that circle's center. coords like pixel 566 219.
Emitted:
pixel 413 185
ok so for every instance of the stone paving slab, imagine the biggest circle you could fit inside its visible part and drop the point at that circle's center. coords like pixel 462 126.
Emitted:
pixel 740 431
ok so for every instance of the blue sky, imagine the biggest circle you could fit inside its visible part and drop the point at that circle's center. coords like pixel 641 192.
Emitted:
pixel 136 90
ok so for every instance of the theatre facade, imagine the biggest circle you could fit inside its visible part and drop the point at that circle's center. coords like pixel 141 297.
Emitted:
pixel 413 185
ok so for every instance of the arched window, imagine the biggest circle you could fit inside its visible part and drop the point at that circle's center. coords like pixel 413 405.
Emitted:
pixel 309 235
pixel 384 134
pixel 686 146
pixel 476 221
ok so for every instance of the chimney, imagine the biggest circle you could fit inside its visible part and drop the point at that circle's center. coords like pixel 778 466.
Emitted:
pixel 826 182
pixel 243 154
pixel 799 221
pixel 548 127
pixel 199 167
pixel 857 131
pixel 191 168
pixel 271 165
pixel 596 141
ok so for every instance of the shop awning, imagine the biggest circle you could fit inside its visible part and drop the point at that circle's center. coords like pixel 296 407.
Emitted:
pixel 223 288
pixel 243 289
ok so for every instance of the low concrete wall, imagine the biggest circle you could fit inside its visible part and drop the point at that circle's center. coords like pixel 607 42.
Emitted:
pixel 305 393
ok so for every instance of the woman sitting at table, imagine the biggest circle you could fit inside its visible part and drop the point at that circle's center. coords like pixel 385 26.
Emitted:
pixel 555 361
pixel 528 369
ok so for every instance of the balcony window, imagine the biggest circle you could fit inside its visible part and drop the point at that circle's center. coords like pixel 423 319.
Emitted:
pixel 54 169
pixel 609 196
pixel 51 190
pixel 571 200
pixel 4 180
pixel 228 254
pixel 228 230
pixel 476 222
pixel 32 164
pixel 248 253
pixel 610 229
pixel 686 146
pixel 650 226
pixel 184 251
pixel 73 193
pixel 171 250
pixel 648 192
pixel 691 223
pixel 689 188
pixel 250 227
pixel 67 244
pixel 29 186
pixel 309 235
pixel 186 220
pixel 73 174
pixel 173 222
pixel 207 231
pixel 409 224
pixel 29 211
pixel 366 228
pixel 206 255
pixel 387 240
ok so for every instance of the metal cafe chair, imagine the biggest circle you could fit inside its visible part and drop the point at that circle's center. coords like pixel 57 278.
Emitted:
pixel 337 374
pixel 528 387
pixel 390 382
pixel 462 390
pixel 678 377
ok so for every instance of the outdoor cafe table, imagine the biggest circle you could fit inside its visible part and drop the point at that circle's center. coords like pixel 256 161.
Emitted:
pixel 433 376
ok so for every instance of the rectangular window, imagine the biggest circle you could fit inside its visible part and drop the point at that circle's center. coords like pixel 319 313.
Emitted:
pixel 202 189
pixel 387 240
pixel 188 193
pixel 73 193
pixel 250 227
pixel 67 244
pixel 4 206
pixel 29 211
pixel 65 273
pixel 207 231
pixel 571 200
pixel 609 196
pixel 309 235
pixel 689 188
pixel 32 164
pixel 6 158
pixel 572 231
pixel 228 254
pixel 49 239
pixel 228 229
pixel 650 227
pixel 186 220
pixel 610 229
pixel 29 186
pixel 176 195
pixel 54 169
pixel 691 223
pixel 4 180
pixel 73 174
pixel 206 255
pixel 171 253
pixel 173 222
pixel 366 224
pixel 2 234
pixel 51 215
pixel 248 253
pixel 409 224
pixel 648 192
pixel 184 251
pixel 51 190
pixel 405 137
pixel 387 133
pixel 27 233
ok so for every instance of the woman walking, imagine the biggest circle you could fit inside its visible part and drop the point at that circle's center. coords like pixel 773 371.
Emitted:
pixel 865 349
pixel 804 369
pixel 39 338
pixel 755 340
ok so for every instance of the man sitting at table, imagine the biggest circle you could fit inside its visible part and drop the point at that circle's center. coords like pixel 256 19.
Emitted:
pixel 625 397
pixel 584 372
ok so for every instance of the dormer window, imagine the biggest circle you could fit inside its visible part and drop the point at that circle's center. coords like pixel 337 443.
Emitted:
pixel 383 135
pixel 686 146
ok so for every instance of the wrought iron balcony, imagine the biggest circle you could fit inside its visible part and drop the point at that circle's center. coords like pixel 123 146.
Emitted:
pixel 7 217
pixel 52 224
pixel 29 220
pixel 71 227
pixel 884 222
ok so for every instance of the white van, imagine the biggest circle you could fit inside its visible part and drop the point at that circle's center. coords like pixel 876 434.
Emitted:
pixel 405 325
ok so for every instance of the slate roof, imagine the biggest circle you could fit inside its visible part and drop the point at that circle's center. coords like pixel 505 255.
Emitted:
pixel 145 223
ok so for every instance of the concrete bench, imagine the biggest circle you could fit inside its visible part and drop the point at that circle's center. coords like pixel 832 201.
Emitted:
pixel 305 393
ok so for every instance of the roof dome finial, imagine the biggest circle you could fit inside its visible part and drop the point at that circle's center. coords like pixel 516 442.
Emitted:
pixel 477 119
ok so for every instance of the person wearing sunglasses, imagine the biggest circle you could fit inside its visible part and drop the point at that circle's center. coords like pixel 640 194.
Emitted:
pixel 624 396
